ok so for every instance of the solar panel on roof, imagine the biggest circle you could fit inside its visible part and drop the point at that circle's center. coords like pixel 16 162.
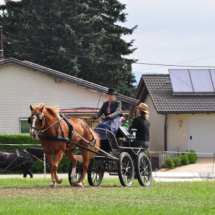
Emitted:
pixel 213 76
pixel 201 80
pixel 180 80
pixel 192 80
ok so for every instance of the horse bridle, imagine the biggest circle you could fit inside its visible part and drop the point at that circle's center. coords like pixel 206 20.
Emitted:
pixel 41 122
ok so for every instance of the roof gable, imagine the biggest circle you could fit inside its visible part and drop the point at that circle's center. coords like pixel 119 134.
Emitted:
pixel 160 90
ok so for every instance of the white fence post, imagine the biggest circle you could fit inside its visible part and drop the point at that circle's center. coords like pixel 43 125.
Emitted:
pixel 44 165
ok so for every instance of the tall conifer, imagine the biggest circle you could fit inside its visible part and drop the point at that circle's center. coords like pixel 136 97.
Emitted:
pixel 84 34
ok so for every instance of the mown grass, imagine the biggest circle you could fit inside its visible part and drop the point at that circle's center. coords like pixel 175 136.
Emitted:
pixel 32 196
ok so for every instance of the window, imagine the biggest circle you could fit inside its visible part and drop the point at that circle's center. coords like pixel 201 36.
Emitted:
pixel 24 126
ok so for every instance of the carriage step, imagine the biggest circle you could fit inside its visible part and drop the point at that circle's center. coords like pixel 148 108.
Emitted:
pixel 79 158
pixel 113 173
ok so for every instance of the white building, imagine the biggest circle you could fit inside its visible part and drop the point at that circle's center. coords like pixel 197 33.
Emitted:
pixel 24 83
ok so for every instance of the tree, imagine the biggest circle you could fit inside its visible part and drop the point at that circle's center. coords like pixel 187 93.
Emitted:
pixel 84 35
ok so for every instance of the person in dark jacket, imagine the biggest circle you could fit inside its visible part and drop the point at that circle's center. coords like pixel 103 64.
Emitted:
pixel 142 124
pixel 111 109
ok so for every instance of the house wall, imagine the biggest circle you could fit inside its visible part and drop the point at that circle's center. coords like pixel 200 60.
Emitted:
pixel 20 88
pixel 157 122
pixel 177 132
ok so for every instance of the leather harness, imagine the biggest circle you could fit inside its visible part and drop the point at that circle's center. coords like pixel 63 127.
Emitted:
pixel 63 138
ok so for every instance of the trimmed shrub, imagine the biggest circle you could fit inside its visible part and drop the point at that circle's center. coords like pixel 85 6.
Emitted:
pixel 192 156
pixel 16 139
pixel 38 167
pixel 177 161
pixel 169 163
pixel 184 159
pixel 64 165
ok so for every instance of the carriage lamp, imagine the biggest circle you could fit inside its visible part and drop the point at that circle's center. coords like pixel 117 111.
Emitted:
pixel 180 123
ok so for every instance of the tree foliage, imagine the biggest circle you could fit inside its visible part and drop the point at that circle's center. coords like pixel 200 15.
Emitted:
pixel 85 34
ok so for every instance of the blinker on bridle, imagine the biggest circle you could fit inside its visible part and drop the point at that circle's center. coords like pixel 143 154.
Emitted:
pixel 41 121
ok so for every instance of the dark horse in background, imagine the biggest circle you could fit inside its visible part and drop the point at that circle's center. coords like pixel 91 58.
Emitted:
pixel 21 160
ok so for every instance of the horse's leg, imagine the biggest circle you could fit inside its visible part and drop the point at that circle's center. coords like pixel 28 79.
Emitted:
pixel 24 173
pixel 73 158
pixel 58 157
pixel 50 160
pixel 30 173
pixel 85 155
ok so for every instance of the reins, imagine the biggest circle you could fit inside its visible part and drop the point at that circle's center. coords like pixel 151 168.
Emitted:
pixel 68 140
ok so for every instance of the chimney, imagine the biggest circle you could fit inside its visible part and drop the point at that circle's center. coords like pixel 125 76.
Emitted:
pixel 1 48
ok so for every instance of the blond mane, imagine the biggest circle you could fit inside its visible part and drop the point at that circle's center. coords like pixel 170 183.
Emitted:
pixel 54 111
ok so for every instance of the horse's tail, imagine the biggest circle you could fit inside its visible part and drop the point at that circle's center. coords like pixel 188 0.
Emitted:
pixel 96 142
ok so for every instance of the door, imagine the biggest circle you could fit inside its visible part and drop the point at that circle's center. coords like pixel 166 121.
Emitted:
pixel 201 135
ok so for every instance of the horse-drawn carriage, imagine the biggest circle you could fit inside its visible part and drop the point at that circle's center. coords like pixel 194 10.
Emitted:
pixel 116 155
pixel 119 157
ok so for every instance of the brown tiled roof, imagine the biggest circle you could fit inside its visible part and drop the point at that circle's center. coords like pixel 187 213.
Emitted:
pixel 65 77
pixel 160 90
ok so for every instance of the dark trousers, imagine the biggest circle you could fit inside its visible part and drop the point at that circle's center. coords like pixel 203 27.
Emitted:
pixel 140 143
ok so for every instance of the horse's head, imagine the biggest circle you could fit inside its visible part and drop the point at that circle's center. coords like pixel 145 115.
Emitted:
pixel 36 120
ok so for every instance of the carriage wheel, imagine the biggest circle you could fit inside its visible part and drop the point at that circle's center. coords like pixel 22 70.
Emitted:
pixel 144 170
pixel 126 169
pixel 95 173
pixel 79 170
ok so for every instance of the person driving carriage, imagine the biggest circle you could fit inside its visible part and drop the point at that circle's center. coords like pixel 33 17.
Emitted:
pixel 142 124
pixel 112 110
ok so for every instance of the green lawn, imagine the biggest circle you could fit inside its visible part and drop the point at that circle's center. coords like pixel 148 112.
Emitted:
pixel 32 196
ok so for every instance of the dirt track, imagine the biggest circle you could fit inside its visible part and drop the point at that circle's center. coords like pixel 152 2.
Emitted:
pixel 201 165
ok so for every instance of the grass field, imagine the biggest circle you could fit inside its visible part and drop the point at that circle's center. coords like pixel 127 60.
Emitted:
pixel 32 196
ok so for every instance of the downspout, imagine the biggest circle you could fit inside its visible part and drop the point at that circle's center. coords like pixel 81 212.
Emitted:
pixel 165 133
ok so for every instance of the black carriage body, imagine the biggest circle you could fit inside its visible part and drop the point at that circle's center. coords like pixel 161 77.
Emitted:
pixel 120 159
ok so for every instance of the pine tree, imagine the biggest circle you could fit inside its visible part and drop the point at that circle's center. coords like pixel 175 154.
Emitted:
pixel 85 35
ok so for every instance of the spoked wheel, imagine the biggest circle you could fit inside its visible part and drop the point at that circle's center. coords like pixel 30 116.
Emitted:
pixel 79 170
pixel 144 170
pixel 126 169
pixel 95 173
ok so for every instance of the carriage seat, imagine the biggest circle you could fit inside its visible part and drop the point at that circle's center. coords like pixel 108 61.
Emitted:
pixel 125 133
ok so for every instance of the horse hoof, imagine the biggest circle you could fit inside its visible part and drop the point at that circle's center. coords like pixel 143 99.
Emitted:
pixel 59 181
pixel 74 184
pixel 52 186
pixel 79 185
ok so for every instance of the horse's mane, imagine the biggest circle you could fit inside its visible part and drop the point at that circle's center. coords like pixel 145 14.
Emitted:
pixel 54 111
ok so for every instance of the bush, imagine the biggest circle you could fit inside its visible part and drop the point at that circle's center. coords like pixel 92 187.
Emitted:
pixel 184 159
pixel 177 161
pixel 38 167
pixel 63 166
pixel 169 163
pixel 192 156
pixel 16 139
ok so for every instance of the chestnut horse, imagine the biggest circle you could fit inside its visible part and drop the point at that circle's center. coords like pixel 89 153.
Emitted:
pixel 46 121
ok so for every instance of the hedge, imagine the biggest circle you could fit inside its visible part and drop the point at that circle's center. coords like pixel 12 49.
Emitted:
pixel 183 159
pixel 16 139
